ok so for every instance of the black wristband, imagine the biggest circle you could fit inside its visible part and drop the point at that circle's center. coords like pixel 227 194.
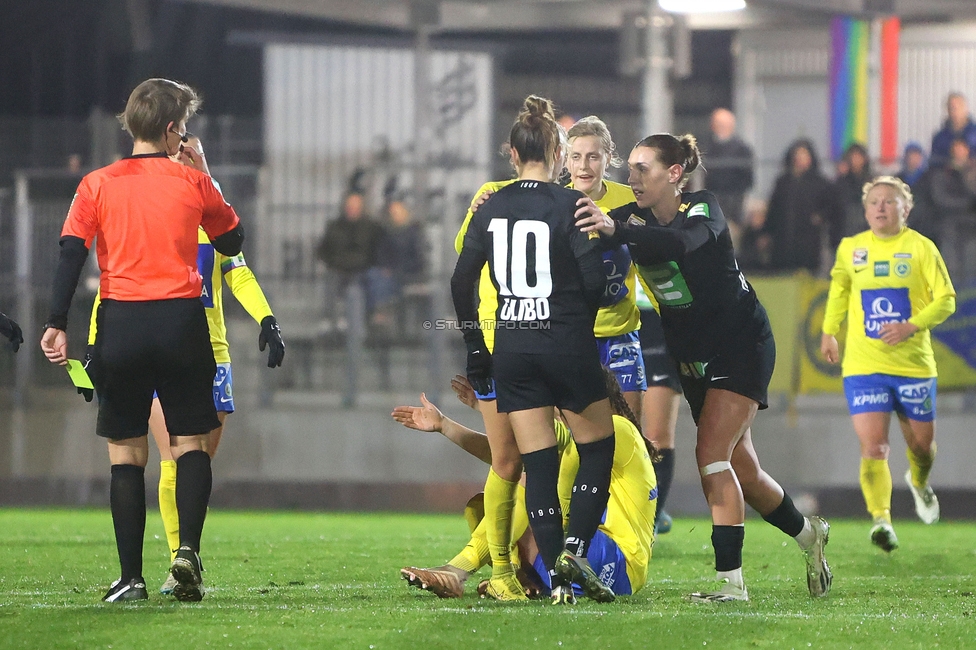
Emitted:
pixel 57 322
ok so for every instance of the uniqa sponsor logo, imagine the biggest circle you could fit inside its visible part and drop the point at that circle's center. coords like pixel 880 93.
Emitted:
pixel 882 313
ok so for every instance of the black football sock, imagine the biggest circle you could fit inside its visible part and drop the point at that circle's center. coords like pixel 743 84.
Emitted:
pixel 727 542
pixel 127 494
pixel 542 502
pixel 591 491
pixel 664 469
pixel 786 517
pixel 194 481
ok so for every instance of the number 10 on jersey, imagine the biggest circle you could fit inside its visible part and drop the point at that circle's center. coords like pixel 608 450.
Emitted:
pixel 521 301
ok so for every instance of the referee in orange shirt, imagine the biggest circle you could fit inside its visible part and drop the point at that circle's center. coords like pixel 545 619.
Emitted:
pixel 144 212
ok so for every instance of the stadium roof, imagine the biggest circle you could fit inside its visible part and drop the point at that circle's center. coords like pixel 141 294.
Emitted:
pixel 519 15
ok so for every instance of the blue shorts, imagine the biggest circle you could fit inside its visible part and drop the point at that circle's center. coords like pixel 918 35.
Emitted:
pixel 223 391
pixel 607 560
pixel 909 396
pixel 623 357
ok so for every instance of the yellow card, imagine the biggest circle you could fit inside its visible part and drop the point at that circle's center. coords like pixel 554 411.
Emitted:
pixel 79 377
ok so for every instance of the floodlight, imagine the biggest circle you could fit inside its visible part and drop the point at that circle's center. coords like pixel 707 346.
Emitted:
pixel 701 6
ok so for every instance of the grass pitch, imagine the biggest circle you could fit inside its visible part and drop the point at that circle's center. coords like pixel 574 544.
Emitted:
pixel 287 580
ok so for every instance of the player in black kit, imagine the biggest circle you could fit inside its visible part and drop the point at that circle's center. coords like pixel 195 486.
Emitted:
pixel 718 332
pixel 549 277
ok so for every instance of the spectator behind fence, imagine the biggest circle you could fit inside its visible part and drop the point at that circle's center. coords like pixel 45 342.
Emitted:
pixel 958 124
pixel 953 195
pixel 913 164
pixel 855 171
pixel 755 249
pixel 729 166
pixel 803 211
pixel 400 262
pixel 348 248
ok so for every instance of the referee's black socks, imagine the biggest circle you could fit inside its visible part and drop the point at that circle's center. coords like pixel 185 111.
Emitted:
pixel 591 491
pixel 127 495
pixel 542 502
pixel 194 481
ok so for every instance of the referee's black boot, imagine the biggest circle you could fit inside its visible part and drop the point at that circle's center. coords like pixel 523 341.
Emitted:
pixel 186 569
pixel 134 589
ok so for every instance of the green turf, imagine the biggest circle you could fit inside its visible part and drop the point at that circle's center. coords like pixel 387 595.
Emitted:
pixel 285 580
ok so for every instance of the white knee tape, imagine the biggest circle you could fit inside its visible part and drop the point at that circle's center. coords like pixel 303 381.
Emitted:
pixel 715 468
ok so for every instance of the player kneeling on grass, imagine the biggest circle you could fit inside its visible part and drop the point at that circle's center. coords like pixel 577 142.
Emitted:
pixel 621 549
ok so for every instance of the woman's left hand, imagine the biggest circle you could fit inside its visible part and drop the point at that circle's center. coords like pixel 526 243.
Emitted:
pixel 589 218
pixel 895 333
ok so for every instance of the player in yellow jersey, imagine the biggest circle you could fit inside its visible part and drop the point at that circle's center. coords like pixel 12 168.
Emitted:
pixel 215 269
pixel 892 285
pixel 591 153
pixel 620 551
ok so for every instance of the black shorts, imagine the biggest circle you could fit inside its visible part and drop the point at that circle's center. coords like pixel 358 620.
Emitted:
pixel 744 367
pixel 160 346
pixel 660 368
pixel 568 381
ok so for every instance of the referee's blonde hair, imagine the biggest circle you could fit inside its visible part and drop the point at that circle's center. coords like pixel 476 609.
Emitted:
pixel 892 181
pixel 593 125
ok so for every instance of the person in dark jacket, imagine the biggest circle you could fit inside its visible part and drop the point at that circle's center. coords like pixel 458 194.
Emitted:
pixel 953 194
pixel 913 164
pixel 958 124
pixel 803 211
pixel 856 166
pixel 349 249
pixel 399 262
pixel 351 241
pixel 730 165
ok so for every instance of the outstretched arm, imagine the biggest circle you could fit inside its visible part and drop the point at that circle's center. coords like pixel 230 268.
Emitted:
pixel 429 418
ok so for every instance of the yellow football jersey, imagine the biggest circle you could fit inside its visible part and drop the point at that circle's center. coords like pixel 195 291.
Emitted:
pixel 633 499
pixel 878 281
pixel 487 295
pixel 214 266
pixel 623 316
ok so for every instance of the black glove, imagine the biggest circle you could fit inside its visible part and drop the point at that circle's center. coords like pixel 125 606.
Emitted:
pixel 271 335
pixel 88 393
pixel 12 331
pixel 479 365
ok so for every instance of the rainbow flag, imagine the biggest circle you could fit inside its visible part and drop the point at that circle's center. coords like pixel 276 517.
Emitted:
pixel 849 43
pixel 890 32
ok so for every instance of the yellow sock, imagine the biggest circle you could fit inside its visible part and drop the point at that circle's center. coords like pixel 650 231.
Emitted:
pixel 520 522
pixel 876 486
pixel 499 506
pixel 921 466
pixel 475 554
pixel 167 505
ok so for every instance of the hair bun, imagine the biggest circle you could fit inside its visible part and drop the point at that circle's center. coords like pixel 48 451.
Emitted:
pixel 689 145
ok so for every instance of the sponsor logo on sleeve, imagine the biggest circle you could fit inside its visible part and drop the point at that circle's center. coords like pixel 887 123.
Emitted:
pixel 882 269
pixel 860 256
pixel 699 210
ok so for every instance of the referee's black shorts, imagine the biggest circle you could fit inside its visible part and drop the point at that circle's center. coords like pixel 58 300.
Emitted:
pixel 568 381
pixel 160 346
pixel 744 367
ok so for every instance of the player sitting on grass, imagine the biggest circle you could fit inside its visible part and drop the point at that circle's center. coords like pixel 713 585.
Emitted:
pixel 621 549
